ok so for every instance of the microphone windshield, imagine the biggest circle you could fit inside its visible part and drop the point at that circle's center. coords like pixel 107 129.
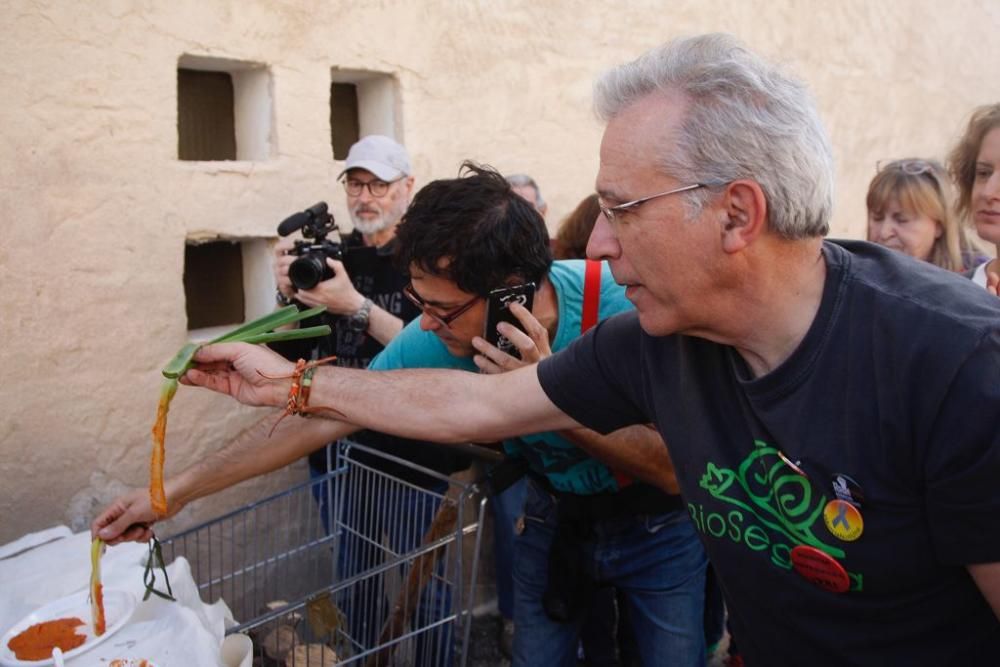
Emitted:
pixel 299 220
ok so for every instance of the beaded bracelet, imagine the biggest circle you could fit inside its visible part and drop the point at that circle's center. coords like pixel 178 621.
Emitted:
pixel 298 393
pixel 302 400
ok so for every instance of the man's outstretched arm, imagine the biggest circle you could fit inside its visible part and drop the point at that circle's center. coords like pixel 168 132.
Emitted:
pixel 255 452
pixel 636 450
pixel 436 405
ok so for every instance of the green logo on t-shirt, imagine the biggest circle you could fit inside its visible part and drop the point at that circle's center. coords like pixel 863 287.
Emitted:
pixel 774 508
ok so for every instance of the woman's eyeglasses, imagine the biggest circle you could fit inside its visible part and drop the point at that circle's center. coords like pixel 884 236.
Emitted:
pixel 444 319
pixel 915 167
pixel 911 166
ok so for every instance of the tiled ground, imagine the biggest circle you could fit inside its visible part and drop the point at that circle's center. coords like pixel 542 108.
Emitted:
pixel 484 649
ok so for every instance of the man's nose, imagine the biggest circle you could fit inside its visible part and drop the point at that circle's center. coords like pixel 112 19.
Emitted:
pixel 428 323
pixel 603 244
pixel 365 196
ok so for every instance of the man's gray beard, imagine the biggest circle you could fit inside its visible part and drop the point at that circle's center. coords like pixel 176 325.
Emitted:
pixel 369 227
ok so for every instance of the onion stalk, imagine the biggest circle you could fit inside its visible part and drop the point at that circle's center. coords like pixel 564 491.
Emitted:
pixel 96 589
pixel 258 331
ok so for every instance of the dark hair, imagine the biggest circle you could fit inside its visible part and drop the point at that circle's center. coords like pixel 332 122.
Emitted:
pixel 475 231
pixel 574 231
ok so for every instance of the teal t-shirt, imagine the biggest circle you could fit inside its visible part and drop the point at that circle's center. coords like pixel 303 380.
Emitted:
pixel 567 467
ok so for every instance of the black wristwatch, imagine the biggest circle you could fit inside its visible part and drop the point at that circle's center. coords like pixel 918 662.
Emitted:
pixel 359 320
pixel 282 300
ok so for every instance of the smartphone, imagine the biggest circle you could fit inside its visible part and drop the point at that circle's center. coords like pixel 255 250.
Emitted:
pixel 498 310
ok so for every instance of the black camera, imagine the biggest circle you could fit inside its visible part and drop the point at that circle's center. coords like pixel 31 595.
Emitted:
pixel 311 268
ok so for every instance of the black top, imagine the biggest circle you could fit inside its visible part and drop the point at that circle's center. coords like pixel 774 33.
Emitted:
pixel 894 393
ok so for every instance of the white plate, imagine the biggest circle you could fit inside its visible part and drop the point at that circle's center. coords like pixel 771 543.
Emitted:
pixel 118 607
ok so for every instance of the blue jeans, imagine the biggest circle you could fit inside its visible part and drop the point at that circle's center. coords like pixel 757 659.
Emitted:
pixel 507 507
pixel 655 561
pixel 715 610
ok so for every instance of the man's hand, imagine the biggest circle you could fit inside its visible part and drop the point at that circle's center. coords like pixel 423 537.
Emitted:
pixel 993 280
pixel 533 345
pixel 282 260
pixel 128 519
pixel 337 294
pixel 252 374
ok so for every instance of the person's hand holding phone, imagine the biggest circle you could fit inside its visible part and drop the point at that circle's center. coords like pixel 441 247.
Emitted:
pixel 532 343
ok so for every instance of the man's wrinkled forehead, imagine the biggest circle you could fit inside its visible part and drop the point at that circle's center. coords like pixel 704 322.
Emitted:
pixel 417 272
pixel 635 141
pixel 420 268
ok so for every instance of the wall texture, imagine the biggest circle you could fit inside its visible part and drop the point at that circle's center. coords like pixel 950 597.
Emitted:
pixel 95 207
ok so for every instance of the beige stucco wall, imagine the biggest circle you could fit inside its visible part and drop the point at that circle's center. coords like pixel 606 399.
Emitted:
pixel 95 207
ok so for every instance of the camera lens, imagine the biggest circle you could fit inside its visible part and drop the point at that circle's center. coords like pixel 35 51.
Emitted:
pixel 308 270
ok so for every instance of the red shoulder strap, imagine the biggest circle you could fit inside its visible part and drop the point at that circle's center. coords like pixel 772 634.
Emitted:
pixel 588 318
pixel 591 295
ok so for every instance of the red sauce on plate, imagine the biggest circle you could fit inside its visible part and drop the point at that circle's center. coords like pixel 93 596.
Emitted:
pixel 37 641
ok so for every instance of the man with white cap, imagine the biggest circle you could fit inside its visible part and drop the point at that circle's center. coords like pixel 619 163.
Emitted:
pixel 378 181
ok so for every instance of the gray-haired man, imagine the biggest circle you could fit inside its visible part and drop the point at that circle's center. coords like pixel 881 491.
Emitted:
pixel 832 408
pixel 526 186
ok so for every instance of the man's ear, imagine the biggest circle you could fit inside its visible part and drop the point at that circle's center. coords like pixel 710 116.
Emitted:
pixel 746 214
pixel 410 180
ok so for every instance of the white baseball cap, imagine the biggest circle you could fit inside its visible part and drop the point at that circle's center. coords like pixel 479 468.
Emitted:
pixel 380 155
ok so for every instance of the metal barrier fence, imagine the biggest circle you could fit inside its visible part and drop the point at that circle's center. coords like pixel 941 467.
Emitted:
pixel 358 566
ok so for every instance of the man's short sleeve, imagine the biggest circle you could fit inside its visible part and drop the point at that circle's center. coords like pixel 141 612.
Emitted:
pixel 963 462
pixel 597 379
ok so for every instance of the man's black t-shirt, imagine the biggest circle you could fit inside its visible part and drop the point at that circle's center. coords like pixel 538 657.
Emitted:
pixel 375 276
pixel 891 402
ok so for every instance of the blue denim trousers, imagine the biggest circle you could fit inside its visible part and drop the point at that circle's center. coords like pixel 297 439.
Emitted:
pixel 655 561
pixel 507 507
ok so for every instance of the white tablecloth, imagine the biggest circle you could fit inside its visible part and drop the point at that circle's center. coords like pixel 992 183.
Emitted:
pixel 170 634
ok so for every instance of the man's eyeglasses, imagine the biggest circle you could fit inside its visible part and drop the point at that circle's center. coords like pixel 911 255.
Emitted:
pixel 444 319
pixel 376 187
pixel 612 212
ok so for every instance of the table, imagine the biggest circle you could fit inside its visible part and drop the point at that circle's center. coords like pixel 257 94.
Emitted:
pixel 45 566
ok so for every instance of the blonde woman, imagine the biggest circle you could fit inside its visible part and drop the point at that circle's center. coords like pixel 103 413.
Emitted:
pixel 975 166
pixel 909 210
